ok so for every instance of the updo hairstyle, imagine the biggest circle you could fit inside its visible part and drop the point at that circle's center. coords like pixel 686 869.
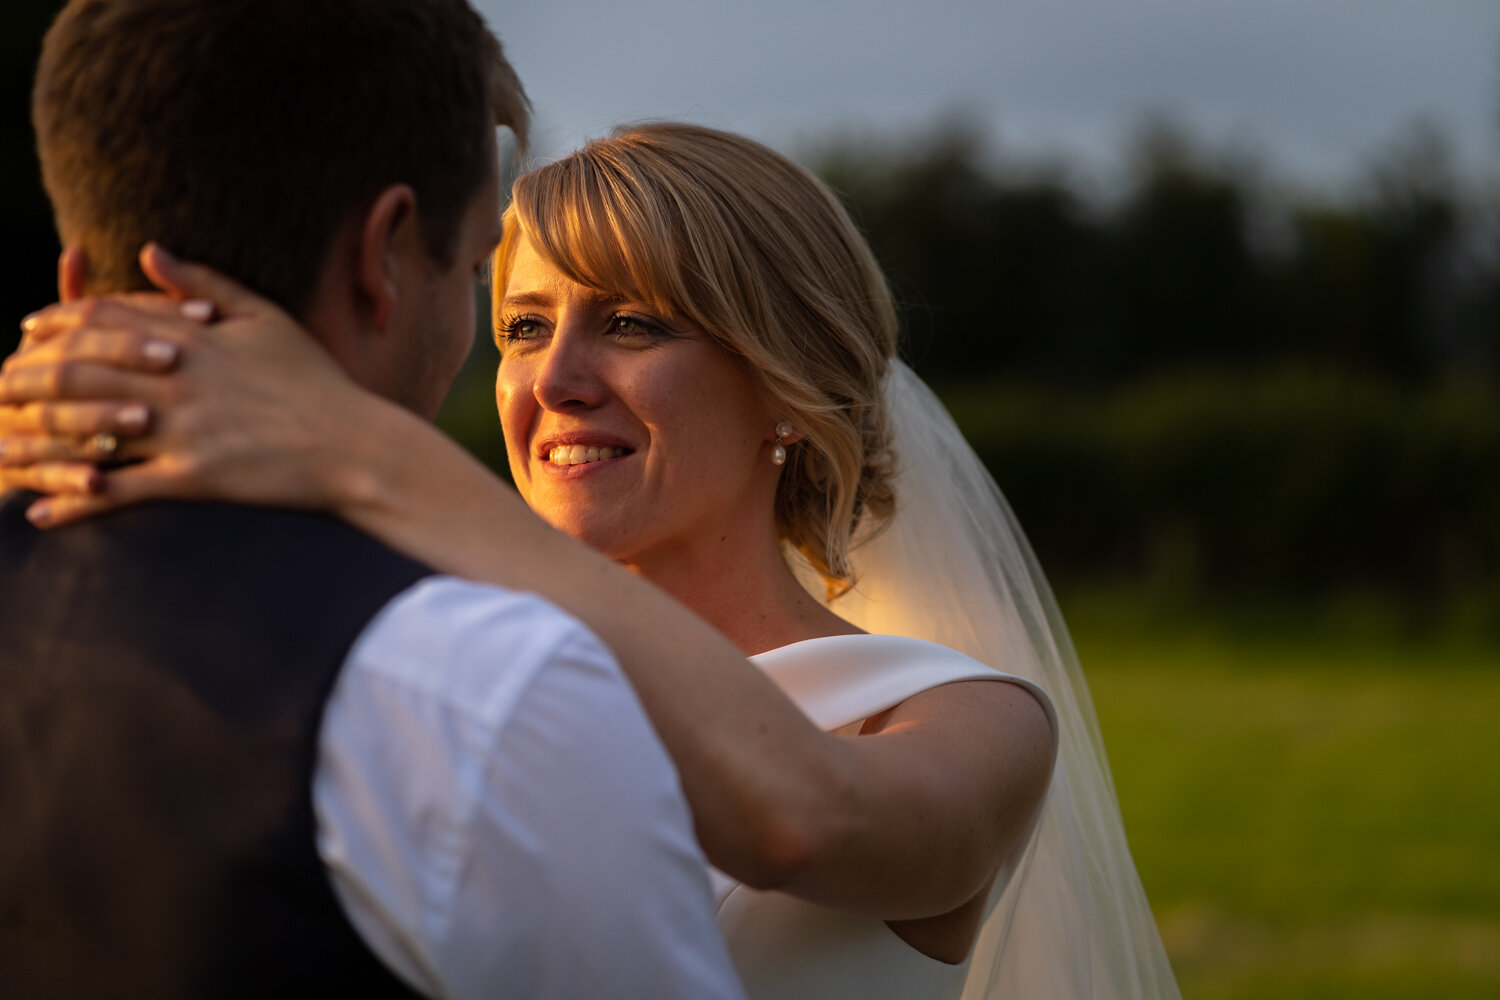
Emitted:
pixel 752 248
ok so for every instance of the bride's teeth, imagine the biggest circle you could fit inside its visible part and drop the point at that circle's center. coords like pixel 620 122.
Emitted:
pixel 581 454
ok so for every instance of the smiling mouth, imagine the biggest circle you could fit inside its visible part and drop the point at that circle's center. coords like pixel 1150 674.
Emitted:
pixel 583 454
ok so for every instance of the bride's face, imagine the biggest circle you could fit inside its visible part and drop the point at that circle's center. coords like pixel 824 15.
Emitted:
pixel 629 430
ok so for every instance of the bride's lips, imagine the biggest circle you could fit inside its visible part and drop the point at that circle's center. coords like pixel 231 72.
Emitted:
pixel 575 454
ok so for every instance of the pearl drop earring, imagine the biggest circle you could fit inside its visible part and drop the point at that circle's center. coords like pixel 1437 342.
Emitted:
pixel 778 452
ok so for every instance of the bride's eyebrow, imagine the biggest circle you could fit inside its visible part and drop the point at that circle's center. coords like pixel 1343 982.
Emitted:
pixel 540 300
pixel 611 298
pixel 534 299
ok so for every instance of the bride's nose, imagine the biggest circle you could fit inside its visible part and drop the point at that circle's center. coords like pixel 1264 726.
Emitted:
pixel 569 376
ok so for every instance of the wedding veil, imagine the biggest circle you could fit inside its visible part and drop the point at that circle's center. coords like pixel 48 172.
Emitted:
pixel 953 567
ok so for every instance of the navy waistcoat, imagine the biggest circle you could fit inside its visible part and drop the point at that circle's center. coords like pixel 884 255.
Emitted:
pixel 163 672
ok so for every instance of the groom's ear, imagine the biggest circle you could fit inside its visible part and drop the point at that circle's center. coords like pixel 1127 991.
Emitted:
pixel 389 248
pixel 72 274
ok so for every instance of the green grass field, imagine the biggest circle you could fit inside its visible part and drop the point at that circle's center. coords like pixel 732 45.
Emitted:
pixel 1313 817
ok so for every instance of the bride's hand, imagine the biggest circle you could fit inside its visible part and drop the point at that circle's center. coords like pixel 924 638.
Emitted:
pixel 213 393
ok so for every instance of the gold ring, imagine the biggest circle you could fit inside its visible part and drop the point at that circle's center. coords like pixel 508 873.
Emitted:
pixel 105 445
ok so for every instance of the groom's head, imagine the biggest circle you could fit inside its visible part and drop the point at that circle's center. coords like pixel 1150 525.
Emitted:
pixel 337 156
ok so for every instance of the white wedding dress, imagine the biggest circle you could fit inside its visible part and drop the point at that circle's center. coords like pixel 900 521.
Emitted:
pixel 948 589
pixel 786 949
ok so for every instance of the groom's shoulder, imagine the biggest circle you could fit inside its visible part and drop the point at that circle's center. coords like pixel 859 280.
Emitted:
pixel 198 583
pixel 197 552
pixel 195 532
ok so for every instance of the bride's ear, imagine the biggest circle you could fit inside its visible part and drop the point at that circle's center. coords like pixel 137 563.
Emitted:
pixel 389 247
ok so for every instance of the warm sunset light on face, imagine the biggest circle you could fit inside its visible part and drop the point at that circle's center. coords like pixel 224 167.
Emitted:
pixel 629 430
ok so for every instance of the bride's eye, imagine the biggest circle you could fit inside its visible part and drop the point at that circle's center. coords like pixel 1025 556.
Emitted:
pixel 625 326
pixel 518 329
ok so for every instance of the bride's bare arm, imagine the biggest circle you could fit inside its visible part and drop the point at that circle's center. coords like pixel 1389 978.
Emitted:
pixel 891 824
pixel 908 823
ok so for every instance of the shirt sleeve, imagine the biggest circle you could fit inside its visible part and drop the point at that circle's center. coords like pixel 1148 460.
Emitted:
pixel 499 817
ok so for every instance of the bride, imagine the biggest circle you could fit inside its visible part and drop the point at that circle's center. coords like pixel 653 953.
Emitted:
pixel 698 380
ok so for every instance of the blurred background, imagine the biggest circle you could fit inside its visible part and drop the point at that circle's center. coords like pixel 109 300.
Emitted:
pixel 1214 289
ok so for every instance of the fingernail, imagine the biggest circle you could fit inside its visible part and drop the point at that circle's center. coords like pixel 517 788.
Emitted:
pixel 161 352
pixel 200 310
pixel 39 513
pixel 30 320
pixel 132 417
pixel 162 252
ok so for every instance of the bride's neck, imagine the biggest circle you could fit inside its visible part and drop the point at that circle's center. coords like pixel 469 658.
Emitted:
pixel 754 598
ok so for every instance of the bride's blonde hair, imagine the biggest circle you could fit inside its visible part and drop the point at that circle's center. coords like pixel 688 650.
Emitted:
pixel 721 230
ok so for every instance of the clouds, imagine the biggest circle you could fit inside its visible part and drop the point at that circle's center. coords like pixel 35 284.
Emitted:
pixel 1320 82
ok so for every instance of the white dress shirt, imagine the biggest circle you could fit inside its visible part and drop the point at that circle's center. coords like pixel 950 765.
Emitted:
pixel 499 817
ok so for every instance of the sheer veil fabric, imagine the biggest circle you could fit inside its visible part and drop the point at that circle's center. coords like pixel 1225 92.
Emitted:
pixel 953 567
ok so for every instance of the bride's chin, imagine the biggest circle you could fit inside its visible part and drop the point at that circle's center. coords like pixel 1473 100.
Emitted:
pixel 578 526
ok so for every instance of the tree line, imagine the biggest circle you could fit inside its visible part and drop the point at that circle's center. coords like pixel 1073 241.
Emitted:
pixel 1210 380
pixel 1202 261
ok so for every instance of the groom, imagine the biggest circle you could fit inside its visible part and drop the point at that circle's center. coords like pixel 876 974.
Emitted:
pixel 249 752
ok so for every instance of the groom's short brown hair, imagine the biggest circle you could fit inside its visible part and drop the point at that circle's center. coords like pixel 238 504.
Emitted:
pixel 242 133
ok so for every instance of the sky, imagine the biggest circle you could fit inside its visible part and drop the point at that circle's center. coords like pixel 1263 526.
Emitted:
pixel 1315 88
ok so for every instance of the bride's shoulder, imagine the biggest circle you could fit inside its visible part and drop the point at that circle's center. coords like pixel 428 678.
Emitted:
pixel 839 678
pixel 875 652
pixel 872 649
